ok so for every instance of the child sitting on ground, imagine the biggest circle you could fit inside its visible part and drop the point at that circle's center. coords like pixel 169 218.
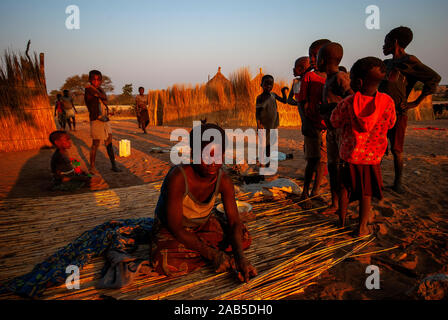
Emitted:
pixel 67 173
pixel 336 88
pixel 364 119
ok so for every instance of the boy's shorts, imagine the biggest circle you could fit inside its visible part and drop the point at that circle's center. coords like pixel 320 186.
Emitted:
pixel 316 147
pixel 100 130
pixel 397 133
pixel 69 114
pixel 332 146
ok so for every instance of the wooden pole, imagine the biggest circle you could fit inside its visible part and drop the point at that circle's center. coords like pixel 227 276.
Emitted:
pixel 42 69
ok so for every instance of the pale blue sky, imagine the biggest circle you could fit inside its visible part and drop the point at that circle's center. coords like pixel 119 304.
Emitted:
pixel 158 43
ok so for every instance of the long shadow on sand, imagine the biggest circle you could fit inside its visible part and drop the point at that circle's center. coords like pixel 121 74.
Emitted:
pixel 125 178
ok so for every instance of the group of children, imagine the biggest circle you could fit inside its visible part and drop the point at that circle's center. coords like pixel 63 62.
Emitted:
pixel 67 174
pixel 347 118
pixel 65 110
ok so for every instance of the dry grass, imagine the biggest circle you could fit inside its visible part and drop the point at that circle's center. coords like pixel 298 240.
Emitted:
pixel 26 117
pixel 424 111
pixel 229 102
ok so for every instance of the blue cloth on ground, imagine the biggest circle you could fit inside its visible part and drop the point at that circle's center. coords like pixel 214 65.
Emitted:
pixel 118 235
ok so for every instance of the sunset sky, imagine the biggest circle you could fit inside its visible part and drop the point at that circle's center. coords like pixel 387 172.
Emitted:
pixel 156 44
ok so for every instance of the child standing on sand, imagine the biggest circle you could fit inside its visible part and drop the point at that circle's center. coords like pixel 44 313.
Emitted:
pixel 301 67
pixel 141 104
pixel 69 110
pixel 100 129
pixel 313 126
pixel 403 71
pixel 336 88
pixel 59 111
pixel 364 119
pixel 266 112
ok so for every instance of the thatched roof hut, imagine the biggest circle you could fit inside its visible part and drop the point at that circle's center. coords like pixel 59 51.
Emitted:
pixel 26 117
pixel 218 78
pixel 256 81
pixel 219 89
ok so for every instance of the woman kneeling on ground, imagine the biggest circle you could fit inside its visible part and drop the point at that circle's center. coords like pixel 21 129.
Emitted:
pixel 186 234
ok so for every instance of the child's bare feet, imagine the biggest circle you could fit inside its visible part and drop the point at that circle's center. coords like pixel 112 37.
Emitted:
pixel 305 202
pixel 331 210
pixel 318 198
pixel 398 188
pixel 115 168
pixel 365 230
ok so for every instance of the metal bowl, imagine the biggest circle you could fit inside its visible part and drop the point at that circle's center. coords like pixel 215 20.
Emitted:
pixel 243 207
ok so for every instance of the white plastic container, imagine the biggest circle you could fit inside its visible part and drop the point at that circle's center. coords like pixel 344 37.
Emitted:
pixel 125 148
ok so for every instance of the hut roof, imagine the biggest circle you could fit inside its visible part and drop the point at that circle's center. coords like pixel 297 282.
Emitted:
pixel 218 78
pixel 257 78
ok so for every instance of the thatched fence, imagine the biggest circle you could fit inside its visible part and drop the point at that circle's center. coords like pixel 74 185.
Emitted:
pixel 26 117
pixel 424 111
pixel 229 102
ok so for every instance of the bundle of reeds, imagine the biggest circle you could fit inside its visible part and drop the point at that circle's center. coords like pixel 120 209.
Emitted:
pixel 26 117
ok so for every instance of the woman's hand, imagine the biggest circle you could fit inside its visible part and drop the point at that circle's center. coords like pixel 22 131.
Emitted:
pixel 222 262
pixel 245 270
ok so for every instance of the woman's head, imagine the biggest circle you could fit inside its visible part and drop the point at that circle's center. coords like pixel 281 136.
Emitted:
pixel 208 151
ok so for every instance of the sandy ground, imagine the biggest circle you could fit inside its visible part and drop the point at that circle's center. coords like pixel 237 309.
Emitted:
pixel 416 221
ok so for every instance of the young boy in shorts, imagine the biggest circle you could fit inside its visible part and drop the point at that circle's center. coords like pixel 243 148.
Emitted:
pixel 266 112
pixel 336 88
pixel 100 129
pixel 403 71
pixel 364 119
pixel 313 126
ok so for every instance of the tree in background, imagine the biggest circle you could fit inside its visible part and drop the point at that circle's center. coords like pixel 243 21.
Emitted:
pixel 126 97
pixel 127 90
pixel 76 85
pixel 52 96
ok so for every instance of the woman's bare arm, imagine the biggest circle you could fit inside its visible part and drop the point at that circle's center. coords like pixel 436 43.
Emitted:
pixel 246 270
